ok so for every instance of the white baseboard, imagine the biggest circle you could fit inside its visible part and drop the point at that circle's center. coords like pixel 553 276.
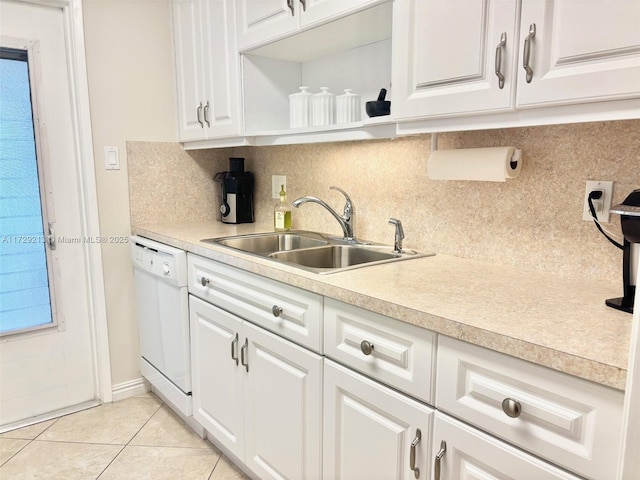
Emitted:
pixel 129 389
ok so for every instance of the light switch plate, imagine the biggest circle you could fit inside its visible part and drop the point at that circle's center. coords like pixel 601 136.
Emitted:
pixel 602 205
pixel 111 158
pixel 276 181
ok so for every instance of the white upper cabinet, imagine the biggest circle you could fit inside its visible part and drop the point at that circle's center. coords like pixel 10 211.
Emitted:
pixel 262 21
pixel 581 51
pixel 446 55
pixel 467 57
pixel 207 69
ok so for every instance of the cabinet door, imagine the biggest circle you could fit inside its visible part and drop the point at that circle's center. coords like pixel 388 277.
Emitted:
pixel 217 377
pixel 222 112
pixel 190 68
pixel 316 11
pixel 581 51
pixel 469 453
pixel 260 21
pixel 445 56
pixel 283 391
pixel 369 429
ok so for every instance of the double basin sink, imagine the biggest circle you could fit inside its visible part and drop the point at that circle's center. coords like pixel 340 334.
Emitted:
pixel 315 252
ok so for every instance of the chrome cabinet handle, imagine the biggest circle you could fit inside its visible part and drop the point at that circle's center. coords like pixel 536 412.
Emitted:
pixel 204 281
pixel 499 48
pixel 234 344
pixel 439 455
pixel 412 453
pixel 206 114
pixel 366 347
pixel 199 113
pixel 244 354
pixel 290 5
pixel 511 407
pixel 276 310
pixel 526 55
pixel 304 5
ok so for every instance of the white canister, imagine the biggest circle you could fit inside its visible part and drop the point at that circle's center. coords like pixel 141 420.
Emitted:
pixel 323 108
pixel 348 107
pixel 300 108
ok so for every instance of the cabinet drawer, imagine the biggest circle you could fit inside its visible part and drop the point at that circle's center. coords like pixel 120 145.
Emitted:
pixel 288 311
pixel 567 420
pixel 402 355
pixel 469 453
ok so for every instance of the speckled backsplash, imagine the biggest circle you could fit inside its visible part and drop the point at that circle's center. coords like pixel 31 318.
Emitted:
pixel 534 220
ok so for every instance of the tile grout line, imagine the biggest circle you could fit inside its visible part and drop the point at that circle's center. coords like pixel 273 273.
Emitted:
pixel 29 441
pixel 129 441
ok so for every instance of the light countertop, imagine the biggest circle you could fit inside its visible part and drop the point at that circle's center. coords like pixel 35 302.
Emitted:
pixel 556 322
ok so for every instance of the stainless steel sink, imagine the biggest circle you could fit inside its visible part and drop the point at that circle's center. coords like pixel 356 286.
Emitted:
pixel 314 252
pixel 267 243
pixel 336 257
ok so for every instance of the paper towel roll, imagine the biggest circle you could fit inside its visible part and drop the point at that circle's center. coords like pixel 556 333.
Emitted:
pixel 492 164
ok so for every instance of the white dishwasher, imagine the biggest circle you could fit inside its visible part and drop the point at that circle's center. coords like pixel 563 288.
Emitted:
pixel 163 319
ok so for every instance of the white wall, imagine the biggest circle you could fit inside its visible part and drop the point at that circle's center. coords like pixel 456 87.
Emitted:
pixel 132 93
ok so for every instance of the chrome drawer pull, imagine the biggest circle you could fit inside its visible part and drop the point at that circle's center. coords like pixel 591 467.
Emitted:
pixel 244 354
pixel 366 347
pixel 290 5
pixel 304 5
pixel 439 455
pixel 199 115
pixel 234 344
pixel 526 55
pixel 206 114
pixel 204 281
pixel 412 453
pixel 498 64
pixel 276 310
pixel 511 407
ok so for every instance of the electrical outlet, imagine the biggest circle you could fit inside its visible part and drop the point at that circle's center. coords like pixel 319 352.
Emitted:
pixel 276 181
pixel 602 205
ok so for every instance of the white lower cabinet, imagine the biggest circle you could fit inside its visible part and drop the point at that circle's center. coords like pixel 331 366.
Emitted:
pixel 462 452
pixel 257 394
pixel 566 420
pixel 372 432
pixel 287 412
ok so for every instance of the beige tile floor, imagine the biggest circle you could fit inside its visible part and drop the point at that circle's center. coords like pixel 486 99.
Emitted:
pixel 138 438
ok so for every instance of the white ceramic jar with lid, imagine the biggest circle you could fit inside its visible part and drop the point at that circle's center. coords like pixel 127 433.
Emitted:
pixel 323 108
pixel 300 108
pixel 348 107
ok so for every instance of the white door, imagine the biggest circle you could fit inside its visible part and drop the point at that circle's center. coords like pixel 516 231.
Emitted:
pixel 283 407
pixel 222 113
pixel 48 365
pixel 216 374
pixel 579 51
pixel 261 21
pixel 207 69
pixel 469 453
pixel 315 11
pixel 190 68
pixel 369 430
pixel 446 54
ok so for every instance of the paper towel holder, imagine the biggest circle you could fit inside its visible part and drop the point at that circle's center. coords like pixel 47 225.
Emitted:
pixel 513 163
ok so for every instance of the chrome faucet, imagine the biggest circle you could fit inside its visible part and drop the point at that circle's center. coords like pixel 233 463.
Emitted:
pixel 397 244
pixel 347 220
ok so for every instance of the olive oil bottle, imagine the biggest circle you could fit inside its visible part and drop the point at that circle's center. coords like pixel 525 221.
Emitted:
pixel 282 213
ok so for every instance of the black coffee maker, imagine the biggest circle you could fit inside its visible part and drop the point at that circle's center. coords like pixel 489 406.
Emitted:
pixel 629 212
pixel 237 193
